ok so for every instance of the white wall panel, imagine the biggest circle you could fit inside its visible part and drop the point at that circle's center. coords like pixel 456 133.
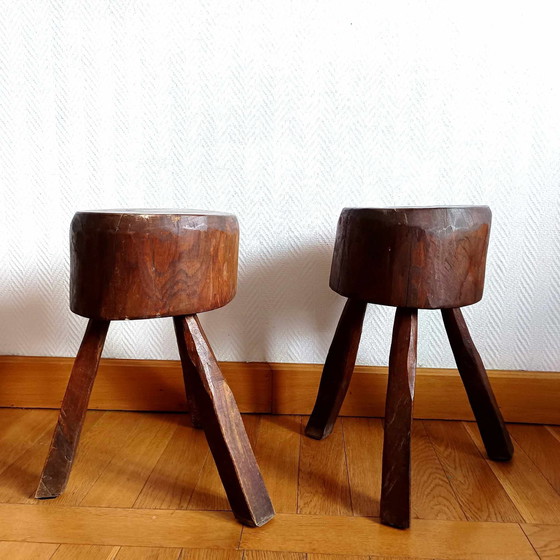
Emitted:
pixel 284 113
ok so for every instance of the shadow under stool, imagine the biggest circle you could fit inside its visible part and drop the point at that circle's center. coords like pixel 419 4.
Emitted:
pixel 409 258
pixel 142 264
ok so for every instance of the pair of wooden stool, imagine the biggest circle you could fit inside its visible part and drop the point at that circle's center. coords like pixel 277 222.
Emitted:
pixel 139 264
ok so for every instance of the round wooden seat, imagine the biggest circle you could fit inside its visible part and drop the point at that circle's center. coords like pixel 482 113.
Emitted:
pixel 429 258
pixel 410 258
pixel 140 264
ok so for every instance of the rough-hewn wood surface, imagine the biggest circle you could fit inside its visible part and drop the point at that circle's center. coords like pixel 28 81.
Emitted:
pixel 224 429
pixel 338 370
pixel 73 412
pixel 395 484
pixel 135 264
pixel 412 257
pixel 481 397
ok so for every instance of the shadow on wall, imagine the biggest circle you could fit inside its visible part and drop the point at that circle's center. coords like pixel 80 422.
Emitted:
pixel 284 309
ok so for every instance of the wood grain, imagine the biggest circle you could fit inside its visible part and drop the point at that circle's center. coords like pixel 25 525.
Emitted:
pixel 143 264
pixel 224 429
pixel 211 554
pixel 432 496
pixel 39 382
pixel 209 493
pixel 277 450
pixel 73 411
pixel 85 552
pixel 323 476
pixel 118 526
pixel 412 257
pixel 133 462
pixel 19 481
pixel 542 448
pixel 528 489
pixel 338 370
pixel 394 505
pixel 480 494
pixel 150 553
pixel 363 440
pixel 481 397
pixel 545 539
pixel 452 540
pixel 174 477
pixel 27 551
pixel 272 555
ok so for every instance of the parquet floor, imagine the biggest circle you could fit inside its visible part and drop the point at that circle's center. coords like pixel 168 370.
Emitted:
pixel 144 486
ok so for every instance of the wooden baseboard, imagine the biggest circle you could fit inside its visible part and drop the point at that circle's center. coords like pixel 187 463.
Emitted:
pixel 39 382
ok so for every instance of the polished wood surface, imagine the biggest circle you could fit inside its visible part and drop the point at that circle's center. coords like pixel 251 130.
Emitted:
pixel 395 483
pixel 462 509
pixel 137 264
pixel 282 388
pixel 427 258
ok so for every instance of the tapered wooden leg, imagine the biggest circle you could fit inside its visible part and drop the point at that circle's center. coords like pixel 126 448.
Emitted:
pixel 338 370
pixel 224 428
pixel 483 402
pixel 72 412
pixel 395 485
pixel 189 374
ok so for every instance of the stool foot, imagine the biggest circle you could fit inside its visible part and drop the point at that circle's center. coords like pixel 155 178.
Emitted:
pixel 338 370
pixel 72 412
pixel 395 486
pixel 224 428
pixel 189 374
pixel 481 397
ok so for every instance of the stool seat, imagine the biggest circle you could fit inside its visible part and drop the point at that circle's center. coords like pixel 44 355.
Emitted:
pixel 140 264
pixel 410 258
pixel 423 257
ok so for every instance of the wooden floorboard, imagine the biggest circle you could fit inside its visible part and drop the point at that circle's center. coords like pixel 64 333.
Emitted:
pixel 144 487
pixel 457 540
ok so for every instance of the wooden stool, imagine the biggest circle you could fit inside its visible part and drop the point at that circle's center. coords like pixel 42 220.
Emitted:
pixel 140 264
pixel 410 258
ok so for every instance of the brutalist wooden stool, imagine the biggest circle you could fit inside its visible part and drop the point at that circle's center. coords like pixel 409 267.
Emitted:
pixel 140 264
pixel 409 258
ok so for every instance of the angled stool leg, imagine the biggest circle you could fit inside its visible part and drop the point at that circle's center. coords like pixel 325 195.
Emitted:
pixel 395 485
pixel 224 428
pixel 481 397
pixel 338 370
pixel 189 374
pixel 72 412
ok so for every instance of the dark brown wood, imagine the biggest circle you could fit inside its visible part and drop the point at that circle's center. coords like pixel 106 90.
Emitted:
pixel 189 373
pixel 338 370
pixel 395 485
pixel 412 257
pixel 138 264
pixel 481 397
pixel 224 428
pixel 73 411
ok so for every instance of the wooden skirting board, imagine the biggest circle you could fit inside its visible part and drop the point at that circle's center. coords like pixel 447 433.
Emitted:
pixel 280 388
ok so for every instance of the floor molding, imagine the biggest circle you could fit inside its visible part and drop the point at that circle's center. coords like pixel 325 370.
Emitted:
pixel 281 388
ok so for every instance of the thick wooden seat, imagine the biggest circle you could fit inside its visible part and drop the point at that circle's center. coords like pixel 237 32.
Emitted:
pixel 139 264
pixel 409 258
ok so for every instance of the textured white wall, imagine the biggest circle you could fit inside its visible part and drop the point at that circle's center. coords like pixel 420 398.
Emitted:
pixel 284 113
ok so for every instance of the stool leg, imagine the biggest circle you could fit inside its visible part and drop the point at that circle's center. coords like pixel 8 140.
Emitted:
pixel 72 412
pixel 481 397
pixel 395 485
pixel 338 370
pixel 224 428
pixel 189 374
